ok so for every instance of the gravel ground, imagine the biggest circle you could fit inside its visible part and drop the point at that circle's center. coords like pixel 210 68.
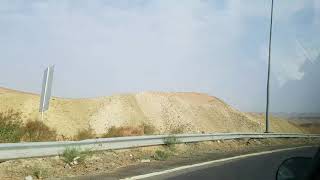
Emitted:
pixel 122 163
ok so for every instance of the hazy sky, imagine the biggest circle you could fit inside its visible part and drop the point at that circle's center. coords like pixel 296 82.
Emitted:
pixel 216 47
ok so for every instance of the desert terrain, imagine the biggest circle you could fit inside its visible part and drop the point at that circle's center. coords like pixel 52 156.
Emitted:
pixel 188 112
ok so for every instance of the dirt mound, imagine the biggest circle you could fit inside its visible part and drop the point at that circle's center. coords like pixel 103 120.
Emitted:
pixel 167 112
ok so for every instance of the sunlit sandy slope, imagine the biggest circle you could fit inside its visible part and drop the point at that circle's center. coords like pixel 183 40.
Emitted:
pixel 194 112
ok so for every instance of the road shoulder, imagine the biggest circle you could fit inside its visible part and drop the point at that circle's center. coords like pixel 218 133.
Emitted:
pixel 227 149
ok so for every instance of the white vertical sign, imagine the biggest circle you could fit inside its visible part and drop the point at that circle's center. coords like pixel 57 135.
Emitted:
pixel 46 89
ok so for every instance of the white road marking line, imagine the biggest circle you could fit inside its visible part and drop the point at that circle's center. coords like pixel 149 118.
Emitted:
pixel 209 162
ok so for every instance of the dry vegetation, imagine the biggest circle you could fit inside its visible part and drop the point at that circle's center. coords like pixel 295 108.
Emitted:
pixel 35 130
pixel 144 129
pixel 148 129
pixel 123 131
pixel 313 128
pixel 180 129
pixel 105 162
pixel 137 114
pixel 13 130
pixel 85 134
pixel 161 155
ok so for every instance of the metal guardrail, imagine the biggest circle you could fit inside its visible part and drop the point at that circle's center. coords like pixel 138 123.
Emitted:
pixel 40 149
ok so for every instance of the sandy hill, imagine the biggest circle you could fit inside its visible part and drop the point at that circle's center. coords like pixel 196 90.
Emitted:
pixel 194 112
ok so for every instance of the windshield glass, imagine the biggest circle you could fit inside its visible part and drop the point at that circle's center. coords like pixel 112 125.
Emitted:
pixel 89 70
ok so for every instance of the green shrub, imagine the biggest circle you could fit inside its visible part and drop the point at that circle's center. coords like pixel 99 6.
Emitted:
pixel 85 134
pixel 161 155
pixel 39 172
pixel 170 142
pixel 70 153
pixel 10 126
pixel 37 131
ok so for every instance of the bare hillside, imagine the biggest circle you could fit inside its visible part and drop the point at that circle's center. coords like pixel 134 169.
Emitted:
pixel 192 112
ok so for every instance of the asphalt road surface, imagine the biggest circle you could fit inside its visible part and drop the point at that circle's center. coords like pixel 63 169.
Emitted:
pixel 261 167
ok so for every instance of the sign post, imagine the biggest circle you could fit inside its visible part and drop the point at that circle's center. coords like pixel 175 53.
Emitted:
pixel 46 90
pixel 269 66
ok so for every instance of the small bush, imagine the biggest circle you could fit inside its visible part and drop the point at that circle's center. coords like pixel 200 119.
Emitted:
pixel 11 126
pixel 39 172
pixel 170 142
pixel 112 132
pixel 70 153
pixel 37 131
pixel 85 134
pixel 12 129
pixel 177 130
pixel 123 131
pixel 161 155
pixel 148 129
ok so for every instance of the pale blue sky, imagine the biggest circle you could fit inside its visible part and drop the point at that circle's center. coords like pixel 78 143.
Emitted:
pixel 216 47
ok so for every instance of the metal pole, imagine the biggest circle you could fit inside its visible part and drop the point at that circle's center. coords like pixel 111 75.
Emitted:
pixel 268 80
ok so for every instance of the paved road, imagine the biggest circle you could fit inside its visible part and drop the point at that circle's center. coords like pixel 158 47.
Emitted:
pixel 262 167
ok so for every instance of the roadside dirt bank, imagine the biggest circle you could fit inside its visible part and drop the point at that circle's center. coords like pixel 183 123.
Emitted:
pixel 123 163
